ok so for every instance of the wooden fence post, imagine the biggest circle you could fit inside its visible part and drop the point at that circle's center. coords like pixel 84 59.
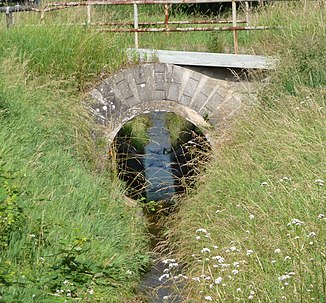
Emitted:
pixel 234 24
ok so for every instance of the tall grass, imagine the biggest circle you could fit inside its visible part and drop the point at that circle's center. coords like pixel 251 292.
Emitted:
pixel 254 228
pixel 78 242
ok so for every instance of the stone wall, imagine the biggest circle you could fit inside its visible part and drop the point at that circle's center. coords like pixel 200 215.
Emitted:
pixel 205 101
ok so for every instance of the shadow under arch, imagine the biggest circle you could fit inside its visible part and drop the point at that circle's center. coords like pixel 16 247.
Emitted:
pixel 165 106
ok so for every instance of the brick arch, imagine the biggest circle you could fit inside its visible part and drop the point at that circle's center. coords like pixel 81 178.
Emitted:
pixel 164 87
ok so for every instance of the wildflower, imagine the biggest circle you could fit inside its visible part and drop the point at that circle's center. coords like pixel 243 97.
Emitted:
pixel 205 250
pixel 208 298
pixel 239 289
pixel 201 230
pixel 166 297
pixel 273 261
pixel 218 280
pixel 296 237
pixel 285 179
pixel 166 261
pixel 104 107
pixel 321 216
pixel 249 252
pixel 197 237
pixel 233 248
pixel 197 279
pixel 215 246
pixel 287 258
pixel 264 184
pixel 277 251
pixel 312 234
pixel 32 235
pixel 235 271
pixel 164 276
pixel 129 272
pixel 65 282
pixel 311 243
pixel 319 182
pixel 236 264
pixel 251 295
pixel 296 222
pixel 171 265
pixel 251 217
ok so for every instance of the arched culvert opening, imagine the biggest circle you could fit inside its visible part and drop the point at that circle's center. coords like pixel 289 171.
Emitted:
pixel 159 155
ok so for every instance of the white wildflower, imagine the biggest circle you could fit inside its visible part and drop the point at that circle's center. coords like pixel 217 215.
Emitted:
pixel 171 265
pixel 218 280
pixel 166 261
pixel 208 298
pixel 296 222
pixel 312 234
pixel 287 258
pixel 235 271
pixel 201 230
pixel 277 251
pixel 264 184
pixel 249 252
pixel 205 250
pixel 321 216
pixel 251 217
pixel 197 237
pixel 164 276
pixel 233 248
pixel 319 182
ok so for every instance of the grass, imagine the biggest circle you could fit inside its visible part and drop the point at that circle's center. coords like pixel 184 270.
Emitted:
pixel 253 228
pixel 68 235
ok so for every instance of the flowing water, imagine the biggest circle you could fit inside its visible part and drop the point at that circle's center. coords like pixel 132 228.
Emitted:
pixel 160 188
pixel 157 161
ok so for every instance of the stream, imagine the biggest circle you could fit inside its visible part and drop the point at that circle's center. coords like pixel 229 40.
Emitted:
pixel 160 188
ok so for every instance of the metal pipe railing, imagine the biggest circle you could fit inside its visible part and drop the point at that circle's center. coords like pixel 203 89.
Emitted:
pixel 137 26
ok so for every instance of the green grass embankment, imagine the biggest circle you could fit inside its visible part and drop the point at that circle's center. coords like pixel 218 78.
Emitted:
pixel 66 234
pixel 254 228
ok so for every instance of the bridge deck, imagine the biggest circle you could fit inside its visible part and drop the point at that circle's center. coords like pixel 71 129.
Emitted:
pixel 206 59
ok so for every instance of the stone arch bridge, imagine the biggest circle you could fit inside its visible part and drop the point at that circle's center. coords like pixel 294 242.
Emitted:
pixel 204 96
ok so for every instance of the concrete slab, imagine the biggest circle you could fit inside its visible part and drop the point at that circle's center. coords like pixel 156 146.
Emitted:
pixel 205 59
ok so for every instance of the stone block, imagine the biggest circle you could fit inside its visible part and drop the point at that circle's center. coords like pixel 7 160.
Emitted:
pixel 191 87
pixel 124 89
pixel 209 86
pixel 215 101
pixel 159 95
pixel 119 77
pixel 185 100
pixel 139 75
pixel 159 68
pixel 145 93
pixel 177 74
pixel 160 83
pixel 174 90
pixel 196 76
pixel 198 102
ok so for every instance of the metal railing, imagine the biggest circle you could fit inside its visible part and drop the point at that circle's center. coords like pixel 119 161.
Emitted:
pixel 140 27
